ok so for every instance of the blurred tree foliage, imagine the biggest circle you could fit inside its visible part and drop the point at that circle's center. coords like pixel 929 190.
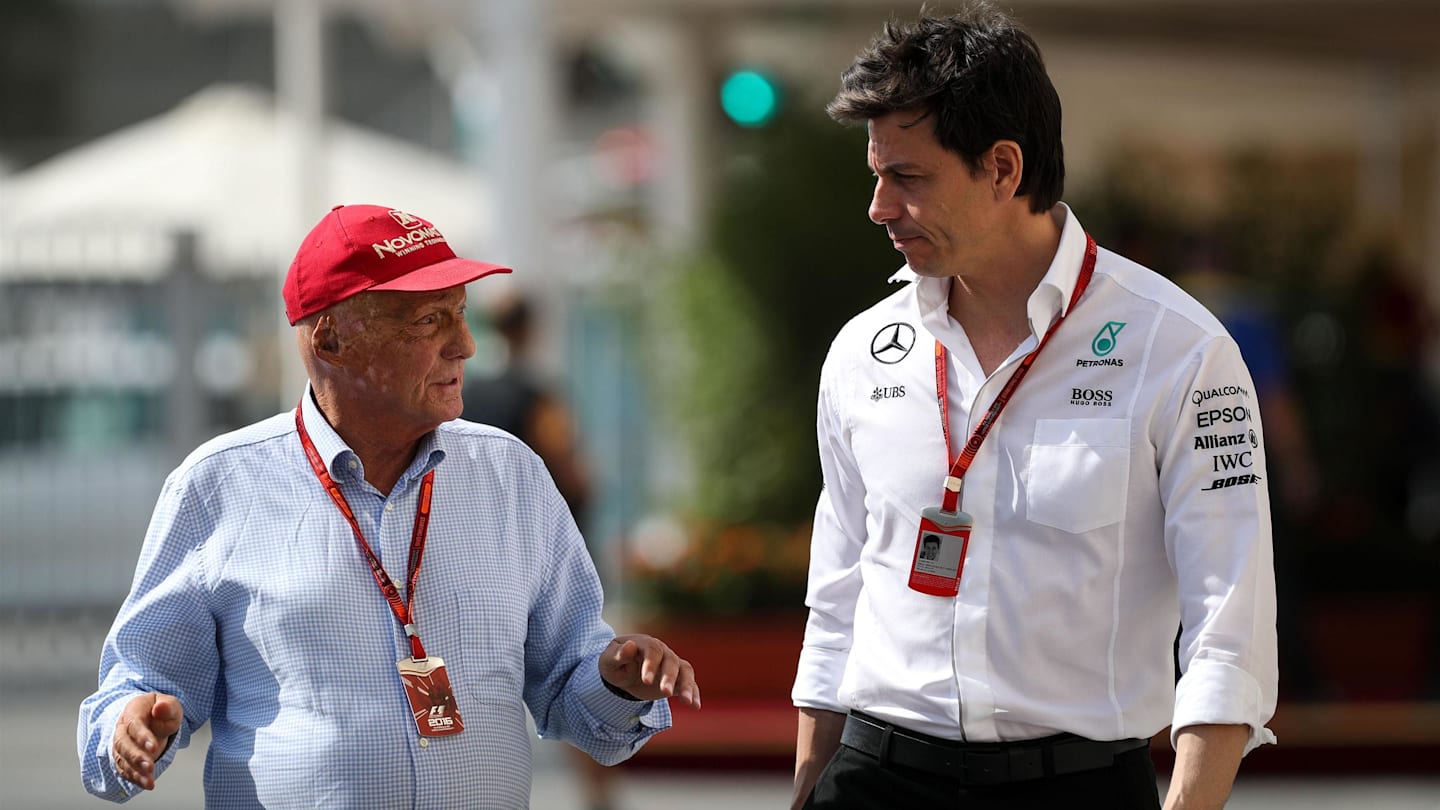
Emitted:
pixel 792 257
pixel 1287 235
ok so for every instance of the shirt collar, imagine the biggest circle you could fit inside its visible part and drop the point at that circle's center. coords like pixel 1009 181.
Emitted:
pixel 1049 299
pixel 338 455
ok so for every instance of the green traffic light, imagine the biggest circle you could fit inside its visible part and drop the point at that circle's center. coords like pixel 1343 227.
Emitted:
pixel 749 98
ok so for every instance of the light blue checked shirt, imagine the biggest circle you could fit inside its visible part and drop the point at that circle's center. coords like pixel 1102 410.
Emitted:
pixel 253 605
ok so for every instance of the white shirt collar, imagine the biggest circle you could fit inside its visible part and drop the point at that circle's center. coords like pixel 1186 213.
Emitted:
pixel 1046 303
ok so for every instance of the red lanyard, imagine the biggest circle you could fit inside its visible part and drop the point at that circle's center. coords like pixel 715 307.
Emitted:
pixel 398 606
pixel 972 445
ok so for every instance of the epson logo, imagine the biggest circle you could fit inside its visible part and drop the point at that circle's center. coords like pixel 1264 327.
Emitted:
pixel 1102 397
pixel 1222 416
pixel 414 240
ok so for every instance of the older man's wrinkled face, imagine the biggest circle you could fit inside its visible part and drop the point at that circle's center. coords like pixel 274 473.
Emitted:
pixel 404 356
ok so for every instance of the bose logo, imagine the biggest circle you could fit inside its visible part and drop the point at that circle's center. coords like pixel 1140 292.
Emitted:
pixel 1232 481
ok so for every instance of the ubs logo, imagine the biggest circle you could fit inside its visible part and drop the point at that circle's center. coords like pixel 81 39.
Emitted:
pixel 893 343
pixel 887 392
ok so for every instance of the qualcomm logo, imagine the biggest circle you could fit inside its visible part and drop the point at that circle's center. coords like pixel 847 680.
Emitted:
pixel 1104 341
pixel 893 343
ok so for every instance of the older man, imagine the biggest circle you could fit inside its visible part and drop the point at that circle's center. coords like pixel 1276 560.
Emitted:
pixel 293 568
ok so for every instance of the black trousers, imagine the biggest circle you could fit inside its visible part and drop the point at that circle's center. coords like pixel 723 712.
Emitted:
pixel 857 781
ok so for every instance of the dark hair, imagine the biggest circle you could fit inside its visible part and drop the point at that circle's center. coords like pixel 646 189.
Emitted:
pixel 981 79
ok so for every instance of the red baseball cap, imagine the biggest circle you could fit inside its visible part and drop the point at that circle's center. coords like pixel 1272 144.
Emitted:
pixel 370 247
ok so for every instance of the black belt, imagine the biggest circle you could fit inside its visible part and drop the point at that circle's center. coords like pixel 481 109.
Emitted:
pixel 980 763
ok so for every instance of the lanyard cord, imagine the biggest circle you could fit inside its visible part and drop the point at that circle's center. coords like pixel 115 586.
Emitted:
pixel 398 606
pixel 977 437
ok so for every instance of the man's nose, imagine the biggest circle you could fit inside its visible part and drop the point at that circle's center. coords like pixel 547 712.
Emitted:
pixel 884 205
pixel 463 344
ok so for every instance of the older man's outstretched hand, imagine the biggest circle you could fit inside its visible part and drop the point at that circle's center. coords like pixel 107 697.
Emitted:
pixel 646 669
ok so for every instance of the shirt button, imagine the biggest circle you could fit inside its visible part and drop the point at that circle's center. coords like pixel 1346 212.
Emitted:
pixel 389 507
pixel 354 464
pixel 424 742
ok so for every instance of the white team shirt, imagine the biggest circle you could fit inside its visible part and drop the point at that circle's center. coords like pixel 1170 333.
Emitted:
pixel 1122 491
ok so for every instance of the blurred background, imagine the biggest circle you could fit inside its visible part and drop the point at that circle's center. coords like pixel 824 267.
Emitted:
pixel 689 231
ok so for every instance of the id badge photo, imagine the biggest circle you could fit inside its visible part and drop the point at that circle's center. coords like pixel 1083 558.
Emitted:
pixel 940 548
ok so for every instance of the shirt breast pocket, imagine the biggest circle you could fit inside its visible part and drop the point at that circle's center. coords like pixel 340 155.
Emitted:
pixel 489 657
pixel 1078 474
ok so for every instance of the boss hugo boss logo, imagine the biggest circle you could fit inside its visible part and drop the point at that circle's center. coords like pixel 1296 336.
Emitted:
pixel 1104 341
pixel 887 392
pixel 1199 395
pixel 1100 397
pixel 893 343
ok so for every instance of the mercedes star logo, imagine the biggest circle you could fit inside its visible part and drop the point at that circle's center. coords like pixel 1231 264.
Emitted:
pixel 893 343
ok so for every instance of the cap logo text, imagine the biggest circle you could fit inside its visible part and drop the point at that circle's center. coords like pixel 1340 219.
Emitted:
pixel 421 237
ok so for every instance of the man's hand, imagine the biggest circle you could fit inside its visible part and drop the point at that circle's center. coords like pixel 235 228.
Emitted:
pixel 648 670
pixel 143 734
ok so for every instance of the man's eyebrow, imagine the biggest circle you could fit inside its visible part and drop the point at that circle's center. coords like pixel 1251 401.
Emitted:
pixel 896 168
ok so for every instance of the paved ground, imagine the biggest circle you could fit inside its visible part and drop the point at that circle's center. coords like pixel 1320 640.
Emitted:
pixel 38 771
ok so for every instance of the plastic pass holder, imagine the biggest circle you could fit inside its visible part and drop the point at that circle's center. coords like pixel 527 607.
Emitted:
pixel 432 702
pixel 940 548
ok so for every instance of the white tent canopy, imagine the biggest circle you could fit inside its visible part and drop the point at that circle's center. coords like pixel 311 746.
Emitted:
pixel 217 165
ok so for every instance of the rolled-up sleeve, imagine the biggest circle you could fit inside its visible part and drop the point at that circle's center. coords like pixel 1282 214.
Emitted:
pixel 1218 538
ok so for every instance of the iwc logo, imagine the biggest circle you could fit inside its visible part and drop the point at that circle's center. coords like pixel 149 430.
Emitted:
pixel 893 343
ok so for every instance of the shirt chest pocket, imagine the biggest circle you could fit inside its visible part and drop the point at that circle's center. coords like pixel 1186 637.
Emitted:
pixel 490 652
pixel 1078 474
